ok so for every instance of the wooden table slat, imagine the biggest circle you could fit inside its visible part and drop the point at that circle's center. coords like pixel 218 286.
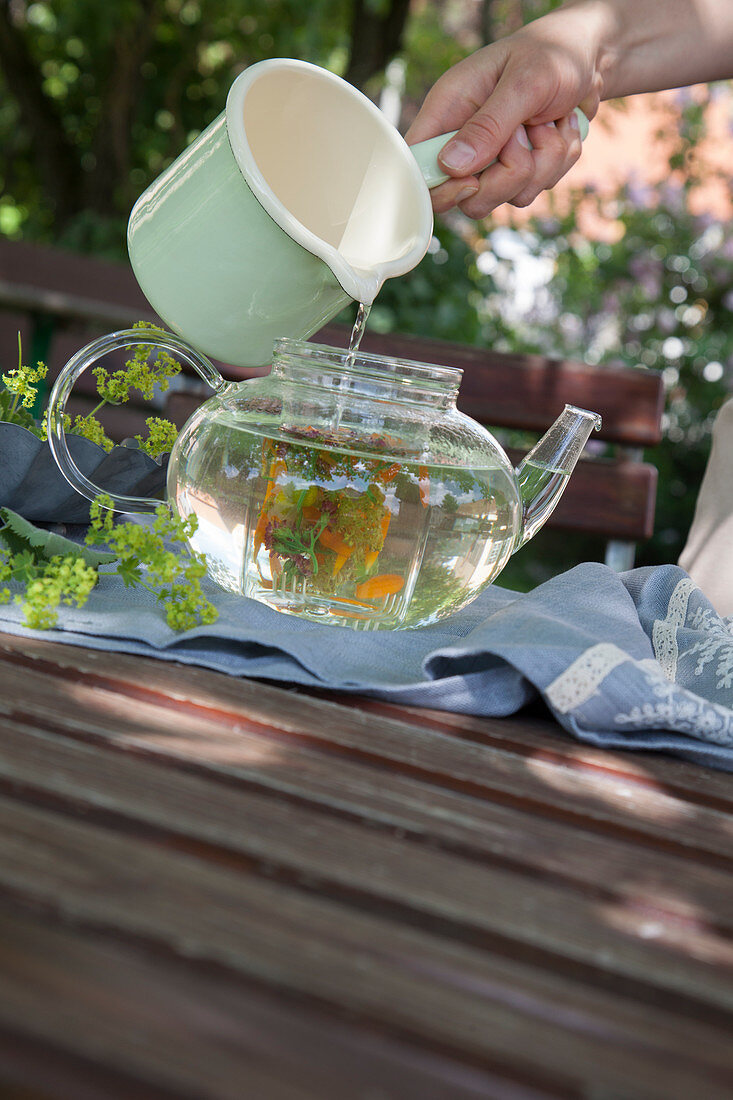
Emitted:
pixel 464 1000
pixel 259 724
pixel 177 996
pixel 309 844
pixel 225 695
pixel 528 738
pixel 472 906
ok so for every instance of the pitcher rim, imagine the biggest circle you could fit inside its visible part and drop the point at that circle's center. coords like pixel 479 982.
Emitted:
pixel 360 285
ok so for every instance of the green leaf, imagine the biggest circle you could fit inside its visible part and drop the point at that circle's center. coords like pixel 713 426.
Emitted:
pixel 130 572
pixel 20 535
pixel 24 567
pixel 18 415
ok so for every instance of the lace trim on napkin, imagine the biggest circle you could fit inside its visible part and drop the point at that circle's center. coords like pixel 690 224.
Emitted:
pixel 580 680
pixel 664 632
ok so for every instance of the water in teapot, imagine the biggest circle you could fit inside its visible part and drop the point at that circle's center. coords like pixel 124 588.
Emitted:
pixel 323 529
pixel 321 496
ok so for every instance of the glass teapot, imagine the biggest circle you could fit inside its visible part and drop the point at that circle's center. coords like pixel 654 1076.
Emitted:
pixel 344 487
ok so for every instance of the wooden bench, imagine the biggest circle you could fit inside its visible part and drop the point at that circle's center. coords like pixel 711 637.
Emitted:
pixel 60 300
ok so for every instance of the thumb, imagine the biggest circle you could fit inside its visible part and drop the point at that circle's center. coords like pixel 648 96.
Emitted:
pixel 480 140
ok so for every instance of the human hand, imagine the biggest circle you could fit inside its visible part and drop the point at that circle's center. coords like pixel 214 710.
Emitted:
pixel 513 104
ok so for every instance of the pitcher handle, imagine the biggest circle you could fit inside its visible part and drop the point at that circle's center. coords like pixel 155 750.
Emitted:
pixel 426 152
pixel 66 380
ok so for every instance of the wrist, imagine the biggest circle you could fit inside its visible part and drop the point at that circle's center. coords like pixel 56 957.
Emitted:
pixel 592 30
pixel 602 23
pixel 648 45
pixel 622 36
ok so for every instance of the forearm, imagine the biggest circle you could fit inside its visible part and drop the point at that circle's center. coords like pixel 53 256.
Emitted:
pixel 647 45
pixel 513 101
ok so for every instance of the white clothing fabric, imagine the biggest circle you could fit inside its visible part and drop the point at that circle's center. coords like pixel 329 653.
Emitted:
pixel 708 553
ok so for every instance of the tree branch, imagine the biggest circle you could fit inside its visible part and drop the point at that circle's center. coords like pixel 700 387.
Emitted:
pixel 120 97
pixel 487 29
pixel 375 38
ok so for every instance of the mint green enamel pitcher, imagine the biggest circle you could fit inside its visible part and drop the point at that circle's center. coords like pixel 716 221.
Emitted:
pixel 300 198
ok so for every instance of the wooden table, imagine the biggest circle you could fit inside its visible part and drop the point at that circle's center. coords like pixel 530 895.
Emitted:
pixel 219 888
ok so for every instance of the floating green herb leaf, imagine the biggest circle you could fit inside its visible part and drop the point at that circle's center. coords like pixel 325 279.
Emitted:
pixel 298 545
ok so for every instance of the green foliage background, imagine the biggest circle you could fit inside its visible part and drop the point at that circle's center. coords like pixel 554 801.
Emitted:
pixel 96 98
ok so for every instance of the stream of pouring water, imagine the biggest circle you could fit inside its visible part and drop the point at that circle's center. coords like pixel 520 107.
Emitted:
pixel 362 315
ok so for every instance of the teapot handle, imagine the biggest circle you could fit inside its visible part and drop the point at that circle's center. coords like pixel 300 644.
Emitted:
pixel 64 384
pixel 426 152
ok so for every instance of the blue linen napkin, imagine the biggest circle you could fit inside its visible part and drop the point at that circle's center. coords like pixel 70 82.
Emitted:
pixel 636 660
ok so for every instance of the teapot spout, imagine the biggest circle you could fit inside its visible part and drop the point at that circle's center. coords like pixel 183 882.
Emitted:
pixel 544 472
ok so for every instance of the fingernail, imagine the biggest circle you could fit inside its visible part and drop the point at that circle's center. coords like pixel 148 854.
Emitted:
pixel 574 121
pixel 458 155
pixel 465 193
pixel 521 135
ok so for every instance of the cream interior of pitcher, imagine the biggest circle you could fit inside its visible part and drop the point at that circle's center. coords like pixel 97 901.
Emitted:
pixel 331 170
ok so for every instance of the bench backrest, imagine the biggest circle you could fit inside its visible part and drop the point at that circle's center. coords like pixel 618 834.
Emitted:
pixel 59 300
